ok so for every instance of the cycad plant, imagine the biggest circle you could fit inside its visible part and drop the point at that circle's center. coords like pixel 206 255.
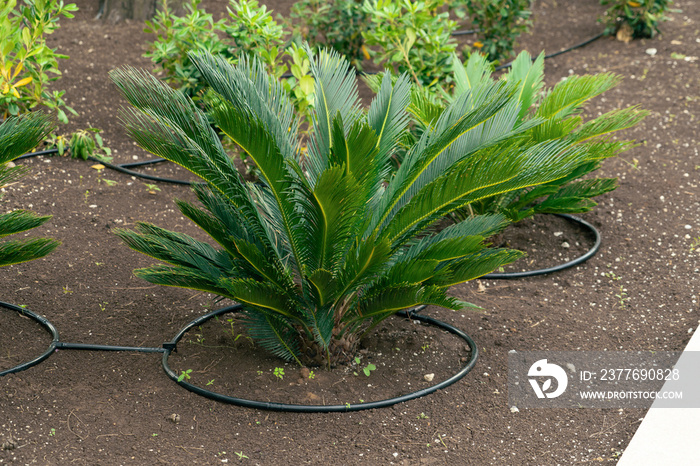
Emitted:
pixel 323 248
pixel 17 136
pixel 551 115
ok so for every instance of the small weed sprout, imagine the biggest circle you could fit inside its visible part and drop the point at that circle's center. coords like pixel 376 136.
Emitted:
pixel 52 432
pixel 260 372
pixel 622 296
pixel 422 416
pixel 240 455
pixel 279 372
pixel 66 290
pixel 425 347
pixel 211 382
pixel 312 375
pixel 695 245
pixel 367 369
pixel 151 188
pixel 185 375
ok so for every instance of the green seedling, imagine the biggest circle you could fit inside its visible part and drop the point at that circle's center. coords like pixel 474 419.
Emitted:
pixel 611 275
pixel 107 182
pixel 425 347
pixel 279 372
pixel 66 290
pixel 240 455
pixel 151 188
pixel 695 245
pixel 622 296
pixel 260 372
pixel 367 369
pixel 312 375
pixel 422 416
pixel 184 375
pixel 211 382
pixel 103 306
pixel 52 432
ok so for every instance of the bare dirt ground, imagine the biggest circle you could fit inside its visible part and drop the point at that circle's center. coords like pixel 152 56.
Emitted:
pixel 639 293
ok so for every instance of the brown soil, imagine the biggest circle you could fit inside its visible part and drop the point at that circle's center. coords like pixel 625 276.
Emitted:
pixel 82 407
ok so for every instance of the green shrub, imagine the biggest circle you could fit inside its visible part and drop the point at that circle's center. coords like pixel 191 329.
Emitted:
pixel 323 249
pixel 553 116
pixel 642 16
pixel 338 25
pixel 17 136
pixel 499 23
pixel 413 36
pixel 250 29
pixel 25 59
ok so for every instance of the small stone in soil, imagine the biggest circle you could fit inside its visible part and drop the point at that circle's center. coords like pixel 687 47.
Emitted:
pixel 429 377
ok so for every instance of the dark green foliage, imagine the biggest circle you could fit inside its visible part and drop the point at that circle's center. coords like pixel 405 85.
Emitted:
pixel 17 136
pixel 323 248
pixel 338 25
pixel 499 23
pixel 553 116
pixel 643 16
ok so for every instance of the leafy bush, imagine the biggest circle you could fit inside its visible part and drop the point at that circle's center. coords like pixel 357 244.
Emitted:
pixel 251 30
pixel 323 249
pixel 499 23
pixel 642 16
pixel 17 136
pixel 413 36
pixel 25 59
pixel 553 116
pixel 338 25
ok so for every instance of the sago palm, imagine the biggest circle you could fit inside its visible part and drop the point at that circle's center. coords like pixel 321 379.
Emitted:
pixel 323 248
pixel 556 116
pixel 17 136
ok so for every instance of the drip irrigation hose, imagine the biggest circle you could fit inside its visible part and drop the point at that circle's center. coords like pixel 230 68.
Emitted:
pixel 44 323
pixel 560 52
pixel 410 314
pixel 579 260
pixel 122 167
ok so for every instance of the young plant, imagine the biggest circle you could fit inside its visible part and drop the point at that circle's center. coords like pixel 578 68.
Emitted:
pixel 87 143
pixel 323 248
pixel 17 136
pixel 26 61
pixel 552 117
pixel 338 25
pixel 499 23
pixel 642 16
pixel 413 37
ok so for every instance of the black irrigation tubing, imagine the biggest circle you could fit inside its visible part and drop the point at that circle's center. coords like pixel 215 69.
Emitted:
pixel 44 323
pixel 560 52
pixel 122 168
pixel 579 260
pixel 410 314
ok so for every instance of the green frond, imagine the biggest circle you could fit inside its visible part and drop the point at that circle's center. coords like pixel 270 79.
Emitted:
pixel 248 87
pixel 180 277
pixel 388 115
pixel 493 171
pixel 385 302
pixel 610 122
pixel 475 74
pixel 569 95
pixel 358 153
pixel 529 75
pixel 459 129
pixel 321 322
pixel 263 295
pixel 20 220
pixel 21 134
pixel 333 222
pixel 575 197
pixel 15 252
pixel 272 333
pixel 365 261
pixel 179 250
pixel 482 226
pixel 335 92
pixel 474 266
